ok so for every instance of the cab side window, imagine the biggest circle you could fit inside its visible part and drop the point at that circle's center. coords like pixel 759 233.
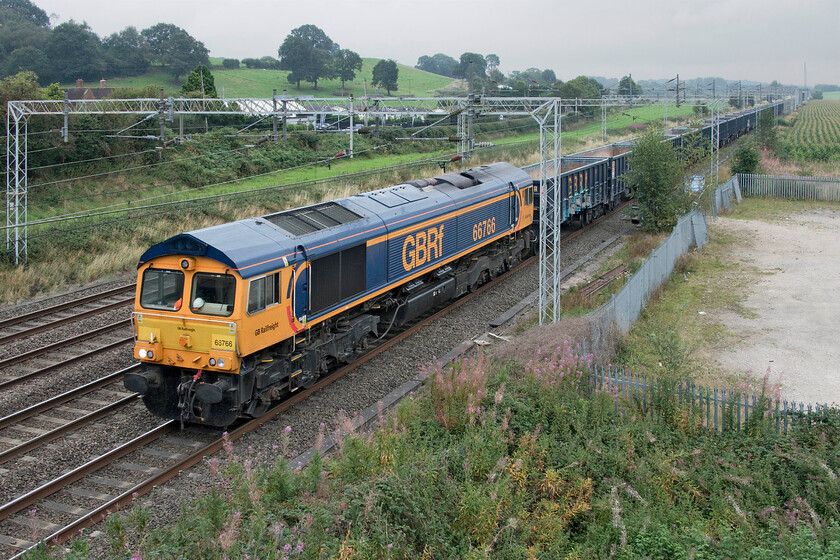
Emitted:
pixel 528 196
pixel 263 292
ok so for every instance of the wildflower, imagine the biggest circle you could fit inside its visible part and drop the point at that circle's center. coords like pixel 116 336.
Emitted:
pixel 287 429
pixel 137 556
pixel 227 444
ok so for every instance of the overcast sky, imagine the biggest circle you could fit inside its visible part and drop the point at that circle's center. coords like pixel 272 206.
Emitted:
pixel 761 40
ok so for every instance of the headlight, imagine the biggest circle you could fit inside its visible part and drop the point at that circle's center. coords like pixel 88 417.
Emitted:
pixel 220 362
pixel 212 361
pixel 142 353
pixel 150 354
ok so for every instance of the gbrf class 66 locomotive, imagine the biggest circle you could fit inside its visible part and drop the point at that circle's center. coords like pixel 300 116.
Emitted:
pixel 232 317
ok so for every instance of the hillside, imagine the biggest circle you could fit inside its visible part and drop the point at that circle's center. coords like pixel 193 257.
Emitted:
pixel 246 82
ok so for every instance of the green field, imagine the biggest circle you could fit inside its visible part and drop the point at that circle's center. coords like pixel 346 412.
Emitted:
pixel 246 82
pixel 815 134
pixel 834 95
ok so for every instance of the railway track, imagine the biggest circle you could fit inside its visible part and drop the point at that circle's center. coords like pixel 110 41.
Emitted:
pixel 55 316
pixel 77 402
pixel 65 520
pixel 43 360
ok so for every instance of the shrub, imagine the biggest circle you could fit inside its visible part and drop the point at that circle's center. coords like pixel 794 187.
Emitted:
pixel 745 159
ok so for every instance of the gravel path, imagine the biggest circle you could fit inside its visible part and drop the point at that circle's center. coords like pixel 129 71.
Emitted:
pixel 791 322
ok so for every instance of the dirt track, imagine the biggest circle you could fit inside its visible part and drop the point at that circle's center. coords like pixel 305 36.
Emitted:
pixel 792 319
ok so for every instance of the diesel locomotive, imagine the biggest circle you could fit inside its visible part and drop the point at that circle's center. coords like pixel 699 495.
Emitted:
pixel 232 317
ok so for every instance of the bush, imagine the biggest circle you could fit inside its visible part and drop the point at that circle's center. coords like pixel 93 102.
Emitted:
pixel 745 159
pixel 230 63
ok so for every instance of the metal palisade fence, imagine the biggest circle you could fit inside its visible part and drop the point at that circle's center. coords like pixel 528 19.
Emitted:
pixel 790 186
pixel 626 306
pixel 716 409
pixel 778 186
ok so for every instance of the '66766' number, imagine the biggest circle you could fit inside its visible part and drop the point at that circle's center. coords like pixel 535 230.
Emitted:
pixel 484 228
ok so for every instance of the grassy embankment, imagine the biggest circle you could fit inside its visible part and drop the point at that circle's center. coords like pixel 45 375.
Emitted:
pixel 245 82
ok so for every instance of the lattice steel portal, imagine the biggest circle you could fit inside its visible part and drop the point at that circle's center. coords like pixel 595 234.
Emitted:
pixel 551 214
pixel 17 209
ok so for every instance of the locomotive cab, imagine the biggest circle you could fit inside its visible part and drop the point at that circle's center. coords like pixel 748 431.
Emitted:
pixel 189 313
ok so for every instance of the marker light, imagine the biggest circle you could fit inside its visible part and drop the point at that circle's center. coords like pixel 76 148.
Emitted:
pixel 212 361
pixel 150 355
pixel 142 352
pixel 220 362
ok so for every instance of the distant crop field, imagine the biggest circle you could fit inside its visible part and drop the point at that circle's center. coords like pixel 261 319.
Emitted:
pixel 816 132
pixel 246 82
pixel 833 95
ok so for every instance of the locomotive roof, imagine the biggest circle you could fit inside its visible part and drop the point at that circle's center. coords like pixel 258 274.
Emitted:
pixel 259 245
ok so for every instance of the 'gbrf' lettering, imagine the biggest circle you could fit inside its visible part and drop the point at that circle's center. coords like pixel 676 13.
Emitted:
pixel 422 247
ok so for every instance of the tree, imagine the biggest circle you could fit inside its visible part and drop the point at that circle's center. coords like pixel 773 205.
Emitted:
pixel 626 86
pixel 27 58
pixel 479 66
pixel 385 74
pixel 294 57
pixel 656 176
pixel 347 63
pixel 200 83
pixel 22 11
pixel 307 54
pixel 126 53
pixel 492 61
pixel 816 94
pixel 547 77
pixel 230 63
pixel 23 85
pixel 174 48
pixel 745 159
pixel 580 88
pixel 269 63
pixel 74 51
pixel 438 64
pixel 316 37
pixel 766 130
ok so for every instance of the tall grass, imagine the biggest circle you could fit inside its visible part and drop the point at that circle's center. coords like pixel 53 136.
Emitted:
pixel 515 460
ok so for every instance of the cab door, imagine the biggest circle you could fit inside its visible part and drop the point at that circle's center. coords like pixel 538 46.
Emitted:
pixel 301 290
pixel 513 199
